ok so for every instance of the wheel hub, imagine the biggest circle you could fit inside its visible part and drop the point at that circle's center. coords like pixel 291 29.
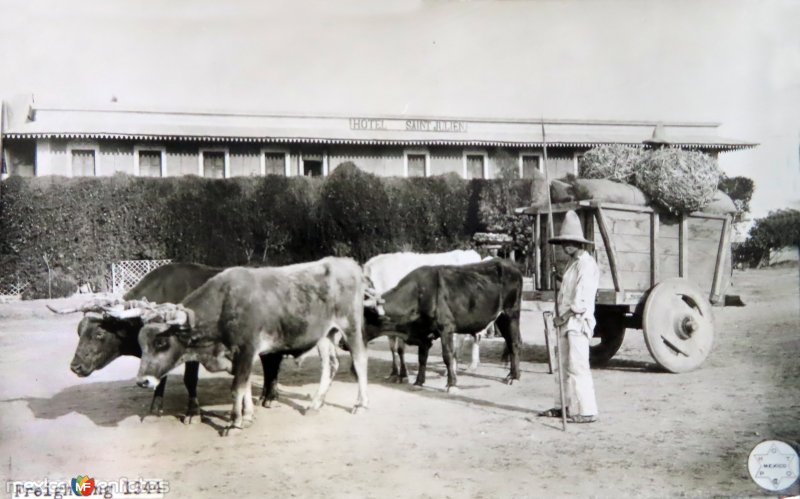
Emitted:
pixel 686 328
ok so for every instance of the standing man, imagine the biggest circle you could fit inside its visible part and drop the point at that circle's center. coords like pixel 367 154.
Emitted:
pixel 575 324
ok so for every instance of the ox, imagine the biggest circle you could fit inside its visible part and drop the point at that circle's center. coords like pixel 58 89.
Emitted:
pixel 384 272
pixel 243 312
pixel 103 337
pixel 440 301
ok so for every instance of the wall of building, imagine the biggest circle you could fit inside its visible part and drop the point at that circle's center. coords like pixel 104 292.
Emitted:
pixel 245 160
pixel 51 157
pixel 182 159
pixel 115 157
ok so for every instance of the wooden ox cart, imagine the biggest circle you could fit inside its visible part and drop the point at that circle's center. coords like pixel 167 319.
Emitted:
pixel 658 272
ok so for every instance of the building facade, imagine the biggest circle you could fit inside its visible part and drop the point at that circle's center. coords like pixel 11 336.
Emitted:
pixel 41 140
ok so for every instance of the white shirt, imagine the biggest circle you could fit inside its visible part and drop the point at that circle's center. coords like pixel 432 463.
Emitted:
pixel 578 292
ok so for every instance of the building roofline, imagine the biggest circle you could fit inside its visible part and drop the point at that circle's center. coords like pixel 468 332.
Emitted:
pixel 397 142
pixel 115 108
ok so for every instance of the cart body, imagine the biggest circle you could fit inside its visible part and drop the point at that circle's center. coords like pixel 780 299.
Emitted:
pixel 639 250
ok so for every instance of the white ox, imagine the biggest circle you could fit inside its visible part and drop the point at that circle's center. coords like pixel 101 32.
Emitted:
pixel 384 272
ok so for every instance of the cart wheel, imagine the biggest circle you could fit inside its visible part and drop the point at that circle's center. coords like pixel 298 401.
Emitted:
pixel 678 325
pixel 610 329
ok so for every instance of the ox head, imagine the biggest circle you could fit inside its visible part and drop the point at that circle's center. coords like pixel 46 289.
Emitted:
pixel 163 339
pixel 390 313
pixel 374 313
pixel 101 337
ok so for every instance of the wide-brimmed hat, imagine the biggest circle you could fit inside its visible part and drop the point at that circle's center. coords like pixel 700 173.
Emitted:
pixel 571 231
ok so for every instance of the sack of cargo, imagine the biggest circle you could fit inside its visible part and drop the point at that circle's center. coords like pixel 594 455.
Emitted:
pixel 680 181
pixel 720 204
pixel 613 161
pixel 561 192
pixel 608 191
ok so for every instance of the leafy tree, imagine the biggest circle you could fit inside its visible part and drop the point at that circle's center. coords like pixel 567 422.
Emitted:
pixel 777 230
pixel 740 190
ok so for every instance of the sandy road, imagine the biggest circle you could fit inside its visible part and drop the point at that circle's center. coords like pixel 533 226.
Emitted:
pixel 660 435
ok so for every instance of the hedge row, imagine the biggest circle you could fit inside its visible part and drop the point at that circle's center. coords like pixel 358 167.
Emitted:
pixel 81 225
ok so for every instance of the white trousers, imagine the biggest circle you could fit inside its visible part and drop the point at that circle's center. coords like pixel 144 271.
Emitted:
pixel 578 384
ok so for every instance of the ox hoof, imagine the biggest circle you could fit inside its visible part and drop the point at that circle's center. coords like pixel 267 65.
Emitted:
pixel 510 380
pixel 402 379
pixel 472 368
pixel 247 422
pixel 392 378
pixel 157 406
pixel 232 431
pixel 359 409
pixel 311 411
pixel 190 419
pixel 453 390
pixel 269 402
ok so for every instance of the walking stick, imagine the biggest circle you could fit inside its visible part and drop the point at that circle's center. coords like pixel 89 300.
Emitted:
pixel 551 229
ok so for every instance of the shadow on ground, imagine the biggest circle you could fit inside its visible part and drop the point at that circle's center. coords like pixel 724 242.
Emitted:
pixel 107 403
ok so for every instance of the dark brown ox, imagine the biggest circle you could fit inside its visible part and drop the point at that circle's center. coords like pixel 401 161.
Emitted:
pixel 440 301
pixel 103 337
pixel 243 312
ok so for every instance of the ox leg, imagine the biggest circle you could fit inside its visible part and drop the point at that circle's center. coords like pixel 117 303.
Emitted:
pixel 323 347
pixel 475 360
pixel 394 348
pixel 190 376
pixel 242 365
pixel 334 357
pixel 508 323
pixel 424 347
pixel 448 354
pixel 248 411
pixel 157 404
pixel 271 363
pixel 401 354
pixel 358 352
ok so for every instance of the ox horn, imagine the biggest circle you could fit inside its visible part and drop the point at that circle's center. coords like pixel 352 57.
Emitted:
pixel 63 310
pixel 96 305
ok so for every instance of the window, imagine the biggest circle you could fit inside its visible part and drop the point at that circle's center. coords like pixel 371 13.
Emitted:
pixel 528 163
pixel 274 162
pixel 314 165
pixel 312 168
pixel 83 163
pixel 149 161
pixel 416 164
pixel 475 165
pixel 214 163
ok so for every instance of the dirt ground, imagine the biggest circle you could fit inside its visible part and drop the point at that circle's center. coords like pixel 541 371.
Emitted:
pixel 659 434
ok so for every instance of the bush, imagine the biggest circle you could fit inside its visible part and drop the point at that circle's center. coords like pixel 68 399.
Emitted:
pixel 59 285
pixel 85 224
pixel 353 215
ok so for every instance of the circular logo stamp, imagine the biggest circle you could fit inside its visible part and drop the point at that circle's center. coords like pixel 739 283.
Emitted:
pixel 773 465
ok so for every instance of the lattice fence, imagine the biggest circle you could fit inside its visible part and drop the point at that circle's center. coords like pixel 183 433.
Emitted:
pixel 125 274
pixel 11 289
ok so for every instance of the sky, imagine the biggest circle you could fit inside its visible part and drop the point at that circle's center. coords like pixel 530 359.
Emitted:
pixel 736 62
